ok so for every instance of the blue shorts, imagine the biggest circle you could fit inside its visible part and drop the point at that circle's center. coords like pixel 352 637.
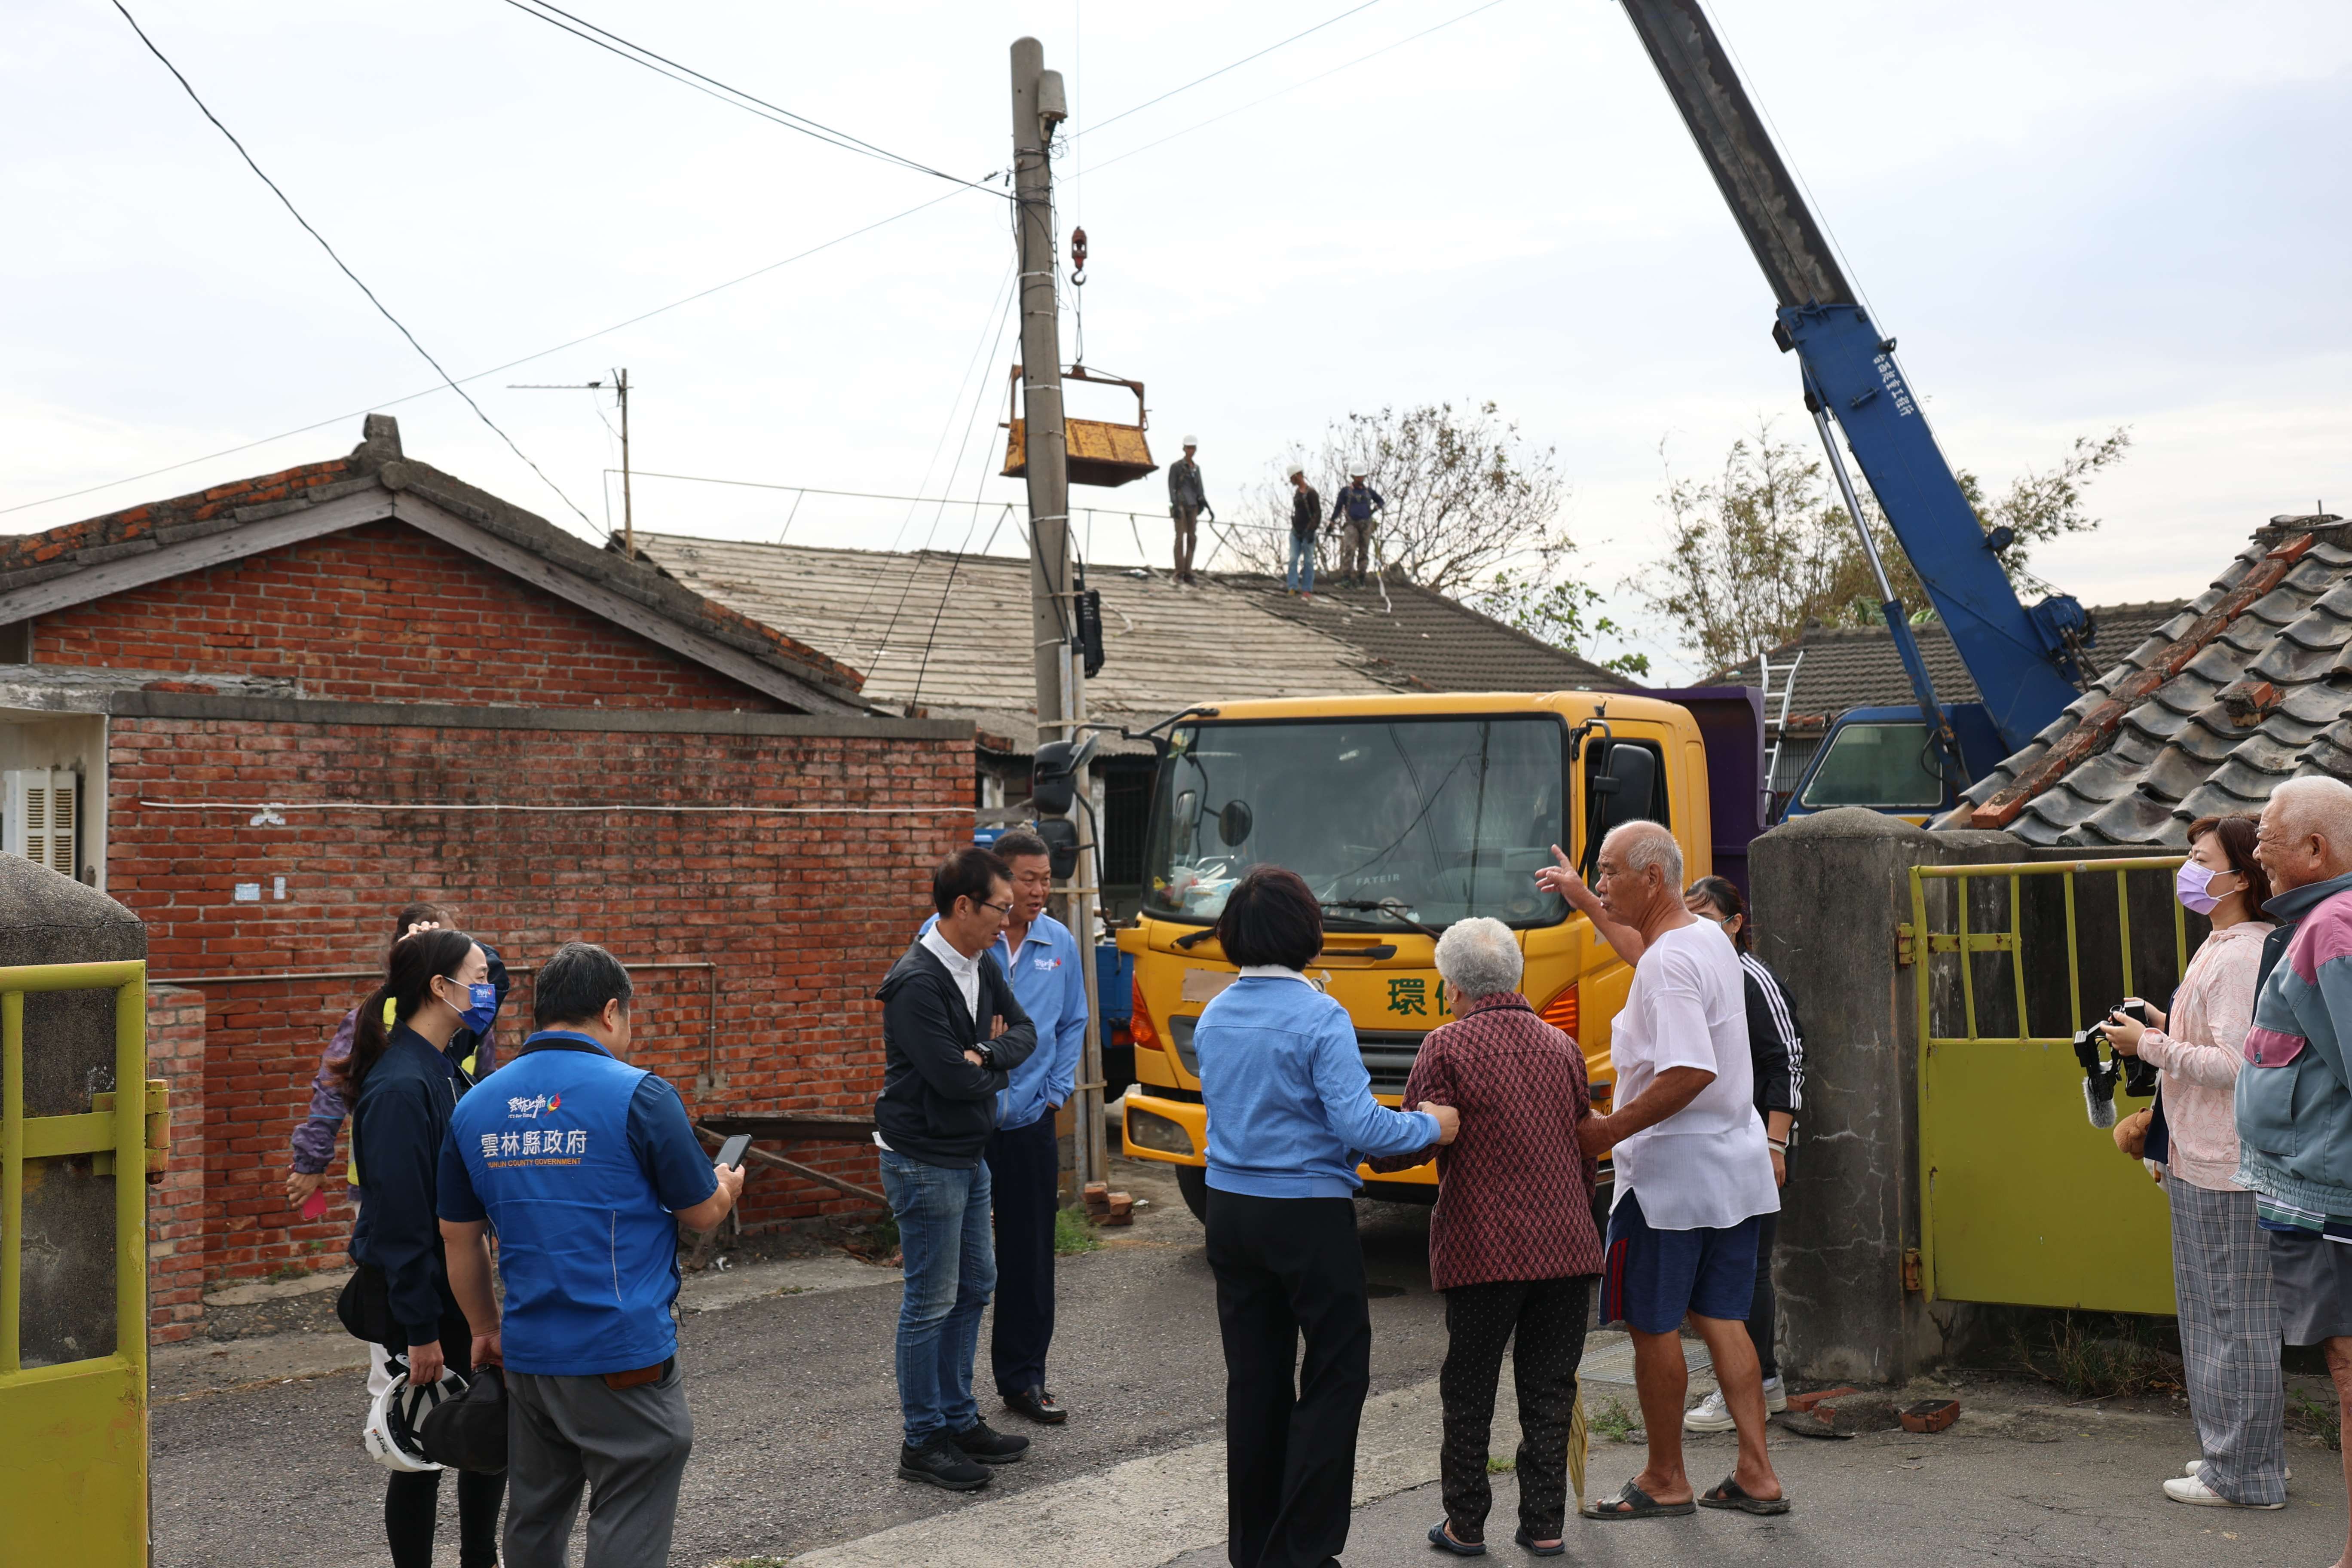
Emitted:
pixel 1651 1278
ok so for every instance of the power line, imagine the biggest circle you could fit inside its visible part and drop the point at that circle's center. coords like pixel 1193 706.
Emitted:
pixel 1293 87
pixel 344 267
pixel 735 96
pixel 494 370
pixel 1221 70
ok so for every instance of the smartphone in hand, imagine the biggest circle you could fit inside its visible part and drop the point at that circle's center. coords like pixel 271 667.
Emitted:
pixel 732 1152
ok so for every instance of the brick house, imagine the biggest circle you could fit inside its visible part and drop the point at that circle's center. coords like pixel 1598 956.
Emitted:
pixel 265 715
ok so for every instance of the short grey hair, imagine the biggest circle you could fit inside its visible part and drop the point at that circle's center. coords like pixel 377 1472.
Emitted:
pixel 1644 844
pixel 1478 957
pixel 2317 804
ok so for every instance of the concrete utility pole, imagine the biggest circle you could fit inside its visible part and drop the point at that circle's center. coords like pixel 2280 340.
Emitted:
pixel 1039 105
pixel 628 512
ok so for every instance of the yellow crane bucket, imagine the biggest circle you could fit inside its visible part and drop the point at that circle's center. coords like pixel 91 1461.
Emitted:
pixel 1101 453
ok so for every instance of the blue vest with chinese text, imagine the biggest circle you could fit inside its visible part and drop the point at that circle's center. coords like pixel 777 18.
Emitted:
pixel 588 1254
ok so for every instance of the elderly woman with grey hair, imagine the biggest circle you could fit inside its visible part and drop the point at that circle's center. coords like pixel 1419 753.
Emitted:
pixel 1512 1243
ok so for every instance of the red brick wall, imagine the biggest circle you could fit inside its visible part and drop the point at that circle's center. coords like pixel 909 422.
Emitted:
pixel 804 913
pixel 176 1205
pixel 387 613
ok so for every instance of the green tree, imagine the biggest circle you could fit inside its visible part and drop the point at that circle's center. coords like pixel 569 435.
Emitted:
pixel 1564 614
pixel 1760 550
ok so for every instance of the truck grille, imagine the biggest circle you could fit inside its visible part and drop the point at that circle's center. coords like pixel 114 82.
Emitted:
pixel 1388 1056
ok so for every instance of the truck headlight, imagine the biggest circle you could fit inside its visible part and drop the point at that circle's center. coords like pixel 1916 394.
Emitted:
pixel 1147 1130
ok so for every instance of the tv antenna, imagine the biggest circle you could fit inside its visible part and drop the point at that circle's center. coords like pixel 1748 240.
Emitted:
pixel 620 388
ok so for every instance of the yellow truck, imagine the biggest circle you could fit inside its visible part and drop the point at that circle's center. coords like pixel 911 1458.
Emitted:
pixel 1404 814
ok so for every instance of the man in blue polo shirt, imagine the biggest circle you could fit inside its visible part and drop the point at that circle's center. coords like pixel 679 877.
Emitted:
pixel 584 1165
pixel 1044 962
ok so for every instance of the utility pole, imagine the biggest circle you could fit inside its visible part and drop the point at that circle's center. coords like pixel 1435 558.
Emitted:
pixel 628 512
pixel 1038 106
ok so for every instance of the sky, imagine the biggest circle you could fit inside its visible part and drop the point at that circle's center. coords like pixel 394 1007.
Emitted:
pixel 2076 215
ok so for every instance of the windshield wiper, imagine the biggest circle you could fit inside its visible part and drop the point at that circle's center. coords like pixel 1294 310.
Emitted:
pixel 1392 907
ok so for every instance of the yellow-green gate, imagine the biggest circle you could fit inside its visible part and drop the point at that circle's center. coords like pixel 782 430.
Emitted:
pixel 2023 1200
pixel 73 1435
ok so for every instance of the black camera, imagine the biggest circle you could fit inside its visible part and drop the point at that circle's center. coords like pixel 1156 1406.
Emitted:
pixel 2099 1076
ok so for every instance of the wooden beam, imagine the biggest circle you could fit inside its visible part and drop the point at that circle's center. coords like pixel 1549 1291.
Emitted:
pixel 423 515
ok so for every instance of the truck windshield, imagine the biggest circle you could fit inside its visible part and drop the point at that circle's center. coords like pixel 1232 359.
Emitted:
pixel 1393 823
pixel 1875 764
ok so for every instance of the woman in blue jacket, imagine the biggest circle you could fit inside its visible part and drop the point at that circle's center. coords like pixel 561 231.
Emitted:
pixel 402 1087
pixel 1291 1114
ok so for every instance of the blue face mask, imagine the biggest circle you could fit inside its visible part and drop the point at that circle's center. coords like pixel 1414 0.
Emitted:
pixel 482 1008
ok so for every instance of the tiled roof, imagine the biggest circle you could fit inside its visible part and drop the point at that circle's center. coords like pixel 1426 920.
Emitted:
pixel 962 646
pixel 377 464
pixel 2251 683
pixel 1856 667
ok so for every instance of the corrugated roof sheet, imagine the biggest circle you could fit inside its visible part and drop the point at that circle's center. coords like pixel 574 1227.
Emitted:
pixel 962 646
pixel 1856 667
pixel 2180 752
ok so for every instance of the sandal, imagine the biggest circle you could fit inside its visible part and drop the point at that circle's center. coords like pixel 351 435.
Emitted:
pixel 1556 1549
pixel 1729 1493
pixel 1443 1539
pixel 1632 1503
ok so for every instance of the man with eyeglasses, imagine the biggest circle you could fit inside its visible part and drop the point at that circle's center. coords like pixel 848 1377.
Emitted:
pixel 952 1032
pixel 1043 961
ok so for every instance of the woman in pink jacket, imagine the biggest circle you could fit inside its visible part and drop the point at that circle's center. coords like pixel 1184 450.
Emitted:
pixel 2221 1260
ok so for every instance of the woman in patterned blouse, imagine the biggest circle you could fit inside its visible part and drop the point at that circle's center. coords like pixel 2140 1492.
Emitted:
pixel 1512 1243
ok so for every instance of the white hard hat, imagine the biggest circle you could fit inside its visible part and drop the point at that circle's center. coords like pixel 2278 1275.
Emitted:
pixel 1295 472
pixel 1192 440
pixel 395 1415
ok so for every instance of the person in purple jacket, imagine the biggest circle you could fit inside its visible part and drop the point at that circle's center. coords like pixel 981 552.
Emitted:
pixel 476 1055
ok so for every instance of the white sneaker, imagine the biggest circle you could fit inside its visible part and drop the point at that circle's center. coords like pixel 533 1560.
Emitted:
pixel 1712 1414
pixel 2192 1491
pixel 2196 1468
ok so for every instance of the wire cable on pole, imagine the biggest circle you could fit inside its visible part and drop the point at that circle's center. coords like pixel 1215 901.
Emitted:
pixel 709 86
pixel 494 370
pixel 344 267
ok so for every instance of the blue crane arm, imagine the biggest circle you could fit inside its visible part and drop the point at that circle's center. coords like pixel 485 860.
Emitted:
pixel 2023 661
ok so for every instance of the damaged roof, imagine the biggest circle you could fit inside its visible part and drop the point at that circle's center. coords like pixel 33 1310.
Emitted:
pixel 80 562
pixel 2248 684
pixel 950 635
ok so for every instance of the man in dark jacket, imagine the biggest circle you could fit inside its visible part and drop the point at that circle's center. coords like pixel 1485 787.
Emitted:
pixel 1305 521
pixel 951 1034
pixel 1354 506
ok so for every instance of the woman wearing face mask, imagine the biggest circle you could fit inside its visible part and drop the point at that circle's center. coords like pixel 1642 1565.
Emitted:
pixel 402 1087
pixel 2221 1260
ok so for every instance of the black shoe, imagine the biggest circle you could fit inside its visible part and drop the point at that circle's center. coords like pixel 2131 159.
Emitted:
pixel 1037 1404
pixel 942 1464
pixel 990 1446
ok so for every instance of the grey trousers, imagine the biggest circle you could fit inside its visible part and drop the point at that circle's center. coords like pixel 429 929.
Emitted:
pixel 2229 1342
pixel 627 1445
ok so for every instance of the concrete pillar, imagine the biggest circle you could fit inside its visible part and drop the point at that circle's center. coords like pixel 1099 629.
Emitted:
pixel 1827 892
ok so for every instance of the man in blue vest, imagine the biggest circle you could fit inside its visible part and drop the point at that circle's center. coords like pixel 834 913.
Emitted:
pixel 1044 962
pixel 585 1166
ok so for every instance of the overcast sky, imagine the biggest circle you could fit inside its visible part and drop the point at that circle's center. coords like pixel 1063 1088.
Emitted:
pixel 2075 215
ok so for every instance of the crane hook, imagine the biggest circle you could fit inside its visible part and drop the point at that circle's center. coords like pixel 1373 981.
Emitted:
pixel 1077 257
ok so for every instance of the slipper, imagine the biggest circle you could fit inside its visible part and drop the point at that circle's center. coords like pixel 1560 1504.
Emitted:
pixel 1729 1493
pixel 1441 1539
pixel 1556 1549
pixel 1632 1503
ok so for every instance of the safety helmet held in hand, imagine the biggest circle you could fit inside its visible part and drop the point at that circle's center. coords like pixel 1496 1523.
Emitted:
pixel 396 1415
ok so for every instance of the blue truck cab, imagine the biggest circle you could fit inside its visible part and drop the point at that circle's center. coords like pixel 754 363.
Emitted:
pixel 1880 758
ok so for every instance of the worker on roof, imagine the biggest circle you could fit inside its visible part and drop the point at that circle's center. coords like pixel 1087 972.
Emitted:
pixel 1305 521
pixel 1355 506
pixel 1186 501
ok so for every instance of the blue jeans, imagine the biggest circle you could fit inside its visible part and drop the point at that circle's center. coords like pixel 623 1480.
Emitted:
pixel 950 1263
pixel 1299 575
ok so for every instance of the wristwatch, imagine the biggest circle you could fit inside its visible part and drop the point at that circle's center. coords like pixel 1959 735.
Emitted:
pixel 987 1056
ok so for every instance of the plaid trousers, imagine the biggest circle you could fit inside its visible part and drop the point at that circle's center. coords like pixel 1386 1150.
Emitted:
pixel 2229 1340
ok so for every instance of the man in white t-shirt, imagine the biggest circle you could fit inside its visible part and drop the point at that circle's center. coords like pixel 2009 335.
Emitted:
pixel 1693 1171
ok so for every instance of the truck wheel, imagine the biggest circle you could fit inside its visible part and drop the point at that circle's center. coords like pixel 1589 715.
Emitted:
pixel 1192 1180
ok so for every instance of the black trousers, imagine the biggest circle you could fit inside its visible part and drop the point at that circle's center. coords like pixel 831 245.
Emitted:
pixel 1547 1316
pixel 1764 1307
pixel 412 1497
pixel 1024 1166
pixel 1286 1267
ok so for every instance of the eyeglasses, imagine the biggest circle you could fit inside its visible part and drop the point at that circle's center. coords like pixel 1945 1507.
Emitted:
pixel 1004 908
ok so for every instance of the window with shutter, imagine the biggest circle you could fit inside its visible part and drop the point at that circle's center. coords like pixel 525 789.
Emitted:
pixel 40 817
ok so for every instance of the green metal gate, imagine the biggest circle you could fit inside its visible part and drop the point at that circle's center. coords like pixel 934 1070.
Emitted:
pixel 2023 1200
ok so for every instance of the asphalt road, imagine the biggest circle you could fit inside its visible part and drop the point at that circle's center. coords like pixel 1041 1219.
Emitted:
pixel 796 1411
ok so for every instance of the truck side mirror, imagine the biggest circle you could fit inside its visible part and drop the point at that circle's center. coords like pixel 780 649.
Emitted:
pixel 1061 836
pixel 1233 822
